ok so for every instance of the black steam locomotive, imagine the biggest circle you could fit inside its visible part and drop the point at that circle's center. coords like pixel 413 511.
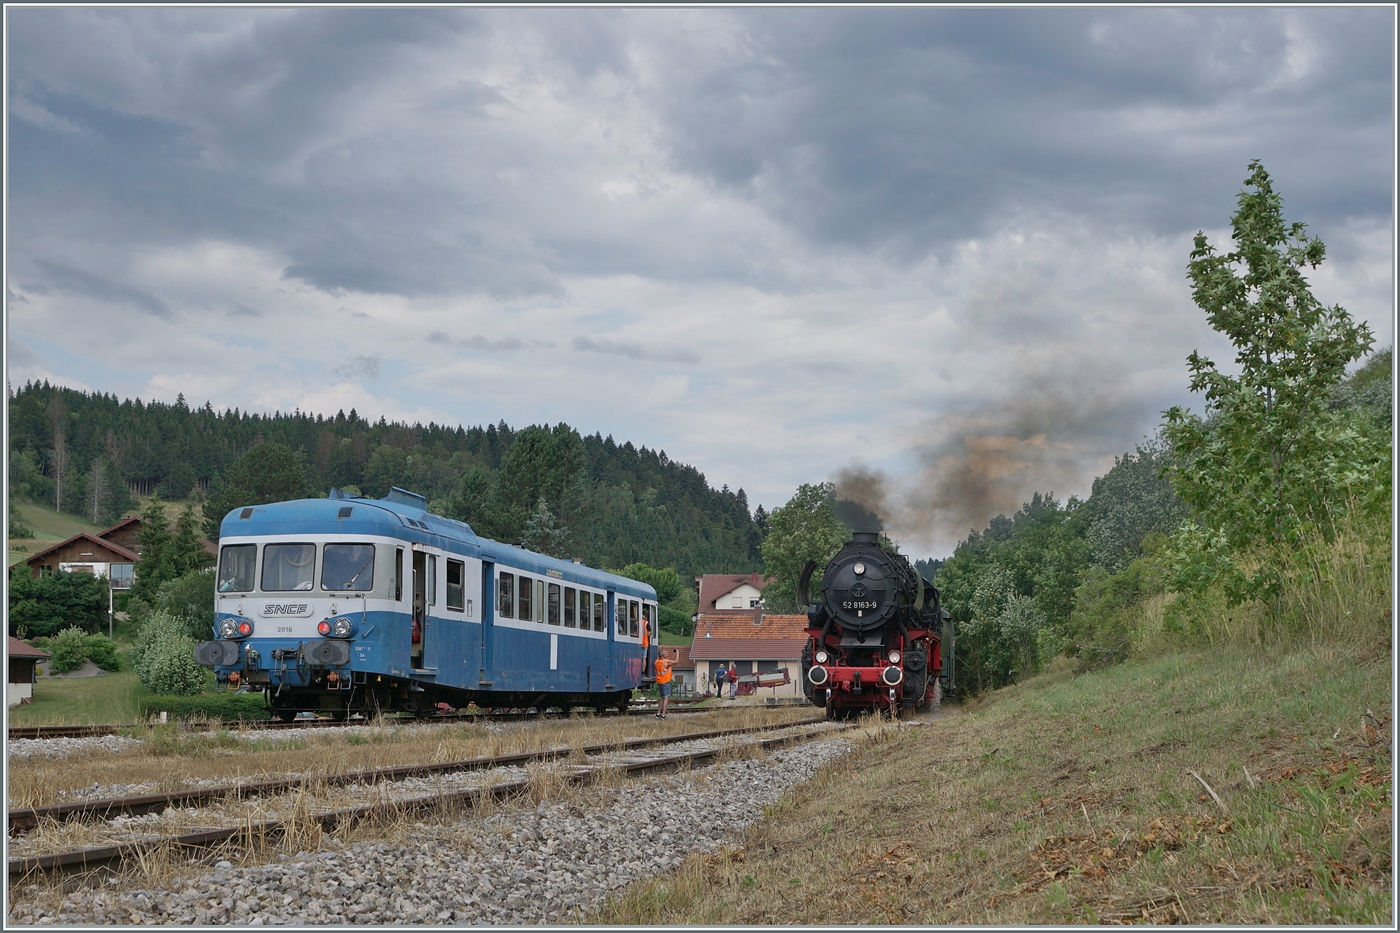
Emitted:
pixel 878 638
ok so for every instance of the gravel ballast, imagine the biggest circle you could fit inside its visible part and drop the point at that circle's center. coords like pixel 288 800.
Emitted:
pixel 545 864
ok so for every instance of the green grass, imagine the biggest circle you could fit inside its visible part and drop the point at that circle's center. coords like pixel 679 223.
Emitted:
pixel 49 526
pixel 1071 800
pixel 111 698
pixel 671 638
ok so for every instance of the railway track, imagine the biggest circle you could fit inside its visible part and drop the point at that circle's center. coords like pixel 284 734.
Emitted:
pixel 88 731
pixel 610 758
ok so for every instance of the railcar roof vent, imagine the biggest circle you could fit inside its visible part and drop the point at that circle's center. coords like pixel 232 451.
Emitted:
pixel 345 511
pixel 246 513
pixel 404 497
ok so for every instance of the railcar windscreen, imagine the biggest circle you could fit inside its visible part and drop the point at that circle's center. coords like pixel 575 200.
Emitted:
pixel 348 568
pixel 236 565
pixel 288 567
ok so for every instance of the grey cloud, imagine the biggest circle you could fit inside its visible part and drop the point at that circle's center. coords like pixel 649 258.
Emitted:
pixel 15 297
pixel 359 366
pixel 634 351
pixel 438 336
pixel 478 342
pixel 245 311
pixel 75 281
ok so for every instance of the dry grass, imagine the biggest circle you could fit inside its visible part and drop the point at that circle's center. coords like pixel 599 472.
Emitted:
pixel 1069 800
pixel 170 756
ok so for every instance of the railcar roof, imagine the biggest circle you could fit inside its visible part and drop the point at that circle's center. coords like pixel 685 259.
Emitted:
pixel 387 517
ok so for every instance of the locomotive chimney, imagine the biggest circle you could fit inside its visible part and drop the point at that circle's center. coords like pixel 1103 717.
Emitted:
pixel 866 537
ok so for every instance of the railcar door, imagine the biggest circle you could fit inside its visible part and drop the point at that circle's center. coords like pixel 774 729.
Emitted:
pixel 612 642
pixel 418 604
pixel 488 623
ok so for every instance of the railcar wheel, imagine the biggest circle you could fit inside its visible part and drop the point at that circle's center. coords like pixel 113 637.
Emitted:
pixel 622 702
pixel 284 715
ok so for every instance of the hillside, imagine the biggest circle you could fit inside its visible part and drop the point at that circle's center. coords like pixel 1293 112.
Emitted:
pixel 1072 799
pixel 606 502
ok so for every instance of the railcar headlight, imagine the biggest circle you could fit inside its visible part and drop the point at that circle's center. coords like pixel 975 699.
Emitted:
pixel 228 628
pixel 245 628
pixel 324 627
pixel 895 656
pixel 823 657
pixel 342 628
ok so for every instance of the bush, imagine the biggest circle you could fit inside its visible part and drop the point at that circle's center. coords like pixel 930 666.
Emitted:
pixel 164 656
pixel 68 649
pixel 102 651
pixel 170 668
pixel 227 707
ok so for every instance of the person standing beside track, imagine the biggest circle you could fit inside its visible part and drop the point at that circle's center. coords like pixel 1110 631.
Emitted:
pixel 663 683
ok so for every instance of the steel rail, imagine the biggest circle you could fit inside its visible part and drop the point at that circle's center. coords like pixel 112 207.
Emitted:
pixel 80 731
pixel 23 820
pixel 96 856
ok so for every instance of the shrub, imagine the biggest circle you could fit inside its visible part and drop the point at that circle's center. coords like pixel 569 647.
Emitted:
pixel 227 707
pixel 170 668
pixel 69 650
pixel 191 597
pixel 102 651
pixel 164 656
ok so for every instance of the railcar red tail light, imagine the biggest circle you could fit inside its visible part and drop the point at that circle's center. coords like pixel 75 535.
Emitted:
pixel 245 628
pixel 324 628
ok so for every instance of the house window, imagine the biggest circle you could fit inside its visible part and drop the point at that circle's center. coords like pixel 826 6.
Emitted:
pixel 737 602
pixel 122 575
pixel 753 603
pixel 768 667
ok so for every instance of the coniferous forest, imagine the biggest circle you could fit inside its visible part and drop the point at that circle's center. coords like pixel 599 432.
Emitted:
pixel 550 488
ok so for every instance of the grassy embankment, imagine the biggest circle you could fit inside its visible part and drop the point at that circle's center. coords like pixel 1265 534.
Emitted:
pixel 51 527
pixel 1075 798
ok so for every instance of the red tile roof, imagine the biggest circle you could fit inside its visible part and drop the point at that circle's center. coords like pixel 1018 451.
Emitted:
pixel 116 549
pixel 18 649
pixel 732 636
pixel 715 585
pixel 748 649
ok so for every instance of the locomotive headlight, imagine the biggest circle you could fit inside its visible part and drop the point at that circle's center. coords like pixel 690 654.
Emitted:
pixel 822 657
pixel 895 656
pixel 228 628
pixel 342 628
pixel 859 568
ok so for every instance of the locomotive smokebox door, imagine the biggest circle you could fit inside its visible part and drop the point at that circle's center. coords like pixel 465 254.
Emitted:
pixel 945 677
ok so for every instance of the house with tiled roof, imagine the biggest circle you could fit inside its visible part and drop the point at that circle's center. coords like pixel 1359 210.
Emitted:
pixel 22 660
pixel 755 642
pixel 730 592
pixel 85 553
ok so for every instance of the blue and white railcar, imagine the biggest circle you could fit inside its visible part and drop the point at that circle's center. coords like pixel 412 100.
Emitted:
pixel 345 604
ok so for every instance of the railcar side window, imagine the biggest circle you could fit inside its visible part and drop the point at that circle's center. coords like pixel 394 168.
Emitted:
pixel 456 585
pixel 432 579
pixel 506 607
pixel 569 595
pixel 288 567
pixel 632 618
pixel 600 613
pixel 526 591
pixel 236 565
pixel 348 567
pixel 398 574
pixel 553 604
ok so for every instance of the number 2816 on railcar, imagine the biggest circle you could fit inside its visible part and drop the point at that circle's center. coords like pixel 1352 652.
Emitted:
pixel 349 605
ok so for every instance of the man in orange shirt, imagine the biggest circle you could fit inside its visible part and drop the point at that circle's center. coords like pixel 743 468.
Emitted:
pixel 663 683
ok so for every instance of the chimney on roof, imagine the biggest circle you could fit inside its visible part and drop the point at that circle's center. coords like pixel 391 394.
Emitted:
pixel 757 615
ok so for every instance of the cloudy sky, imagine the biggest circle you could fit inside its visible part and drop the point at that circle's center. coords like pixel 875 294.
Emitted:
pixel 937 253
